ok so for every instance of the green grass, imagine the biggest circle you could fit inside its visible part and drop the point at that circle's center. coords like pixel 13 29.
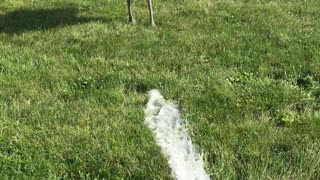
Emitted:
pixel 73 78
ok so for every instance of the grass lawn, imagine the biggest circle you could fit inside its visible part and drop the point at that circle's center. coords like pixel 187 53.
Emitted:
pixel 74 77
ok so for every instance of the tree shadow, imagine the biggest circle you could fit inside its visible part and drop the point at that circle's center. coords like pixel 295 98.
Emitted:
pixel 24 20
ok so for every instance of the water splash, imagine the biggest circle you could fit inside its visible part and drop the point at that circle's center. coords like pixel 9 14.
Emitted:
pixel 171 134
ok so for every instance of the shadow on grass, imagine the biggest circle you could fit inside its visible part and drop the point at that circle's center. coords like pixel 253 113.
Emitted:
pixel 24 20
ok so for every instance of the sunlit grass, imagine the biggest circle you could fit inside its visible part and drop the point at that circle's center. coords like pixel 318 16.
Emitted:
pixel 73 78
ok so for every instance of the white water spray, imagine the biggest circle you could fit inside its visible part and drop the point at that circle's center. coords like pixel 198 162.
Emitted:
pixel 171 134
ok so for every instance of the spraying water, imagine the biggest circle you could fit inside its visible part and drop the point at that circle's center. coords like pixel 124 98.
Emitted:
pixel 171 134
